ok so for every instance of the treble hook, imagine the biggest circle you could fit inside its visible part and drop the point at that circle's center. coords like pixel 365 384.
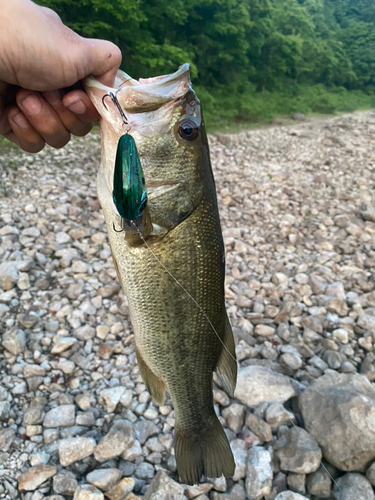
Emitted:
pixel 116 231
pixel 117 104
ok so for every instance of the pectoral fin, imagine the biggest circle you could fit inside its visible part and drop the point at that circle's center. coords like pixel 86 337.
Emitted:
pixel 226 368
pixel 155 385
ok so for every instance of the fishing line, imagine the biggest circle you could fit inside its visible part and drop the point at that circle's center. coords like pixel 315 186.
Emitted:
pixel 218 336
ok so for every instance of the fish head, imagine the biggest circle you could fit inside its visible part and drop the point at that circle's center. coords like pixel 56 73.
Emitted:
pixel 164 116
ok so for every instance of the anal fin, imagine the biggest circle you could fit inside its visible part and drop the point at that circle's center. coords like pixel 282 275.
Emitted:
pixel 155 385
pixel 226 368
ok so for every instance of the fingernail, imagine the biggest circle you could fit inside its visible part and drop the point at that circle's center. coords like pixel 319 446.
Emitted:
pixel 77 107
pixel 32 104
pixel 53 97
pixel 20 120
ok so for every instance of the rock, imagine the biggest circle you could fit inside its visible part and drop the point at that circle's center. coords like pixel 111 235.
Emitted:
pixel 74 449
pixel 162 487
pixel 6 438
pixel 299 117
pixel 259 427
pixel 257 383
pixel 290 495
pixel 291 360
pixel 353 486
pixel 336 290
pixel 63 344
pixel 34 413
pixel 65 483
pixel 14 341
pixel 119 437
pixel 61 416
pixel 104 479
pixel 35 476
pixel 277 415
pixel 339 411
pixel 259 473
pixel 121 490
pixel 83 401
pixel 298 451
pixel 112 397
pixel 144 429
pixel 296 482
pixel 319 483
pixel 193 492
pixel 264 330
pixel 4 410
pixel 88 492
pixel 370 474
pixel 8 275
pixel 145 471
pixel 240 453
pixel 133 451
pixel 234 415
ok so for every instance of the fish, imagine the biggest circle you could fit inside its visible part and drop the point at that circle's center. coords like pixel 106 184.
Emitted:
pixel 172 267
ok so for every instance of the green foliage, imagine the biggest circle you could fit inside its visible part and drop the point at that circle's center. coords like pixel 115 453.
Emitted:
pixel 251 59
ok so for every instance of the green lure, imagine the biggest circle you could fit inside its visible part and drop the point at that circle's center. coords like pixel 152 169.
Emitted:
pixel 129 189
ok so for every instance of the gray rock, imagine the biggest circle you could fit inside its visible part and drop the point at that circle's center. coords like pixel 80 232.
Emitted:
pixel 296 482
pixel 112 397
pixel 4 410
pixel 104 479
pixel 163 487
pixel 240 452
pixel 339 411
pixel 61 416
pixel 298 451
pixel 145 471
pixel 6 438
pixel 259 473
pixel 259 427
pixel 277 415
pixel 74 449
pixel 65 483
pixel 14 341
pixel 299 117
pixel 133 451
pixel 319 483
pixel 8 275
pixel 234 416
pixel 257 383
pixel 119 437
pixel 34 413
pixel 144 429
pixel 370 474
pixel 88 492
pixel 290 495
pixel 353 486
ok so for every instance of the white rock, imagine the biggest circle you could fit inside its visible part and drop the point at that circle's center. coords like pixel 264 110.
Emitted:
pixel 259 473
pixel 256 384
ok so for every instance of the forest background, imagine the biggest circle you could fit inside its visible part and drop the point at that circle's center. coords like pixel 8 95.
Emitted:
pixel 251 60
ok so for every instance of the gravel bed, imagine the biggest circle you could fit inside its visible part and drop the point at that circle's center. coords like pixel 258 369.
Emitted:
pixel 297 205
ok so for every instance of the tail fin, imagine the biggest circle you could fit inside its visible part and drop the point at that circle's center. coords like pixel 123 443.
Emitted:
pixel 208 454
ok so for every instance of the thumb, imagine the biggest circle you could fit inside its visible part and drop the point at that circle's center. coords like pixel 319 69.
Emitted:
pixel 103 59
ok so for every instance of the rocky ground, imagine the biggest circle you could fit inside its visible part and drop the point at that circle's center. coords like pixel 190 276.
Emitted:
pixel 298 213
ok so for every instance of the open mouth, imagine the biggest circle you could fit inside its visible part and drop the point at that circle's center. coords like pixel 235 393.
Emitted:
pixel 143 95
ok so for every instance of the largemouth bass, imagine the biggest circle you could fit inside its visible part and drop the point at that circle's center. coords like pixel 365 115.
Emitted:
pixel 172 271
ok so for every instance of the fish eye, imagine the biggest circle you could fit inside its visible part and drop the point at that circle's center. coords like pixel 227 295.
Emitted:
pixel 188 130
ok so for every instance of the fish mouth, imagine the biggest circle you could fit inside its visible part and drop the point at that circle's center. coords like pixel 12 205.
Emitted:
pixel 143 95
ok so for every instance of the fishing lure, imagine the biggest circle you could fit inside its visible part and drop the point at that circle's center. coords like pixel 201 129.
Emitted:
pixel 129 188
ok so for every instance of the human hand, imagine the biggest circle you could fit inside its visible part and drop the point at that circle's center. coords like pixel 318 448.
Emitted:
pixel 39 59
